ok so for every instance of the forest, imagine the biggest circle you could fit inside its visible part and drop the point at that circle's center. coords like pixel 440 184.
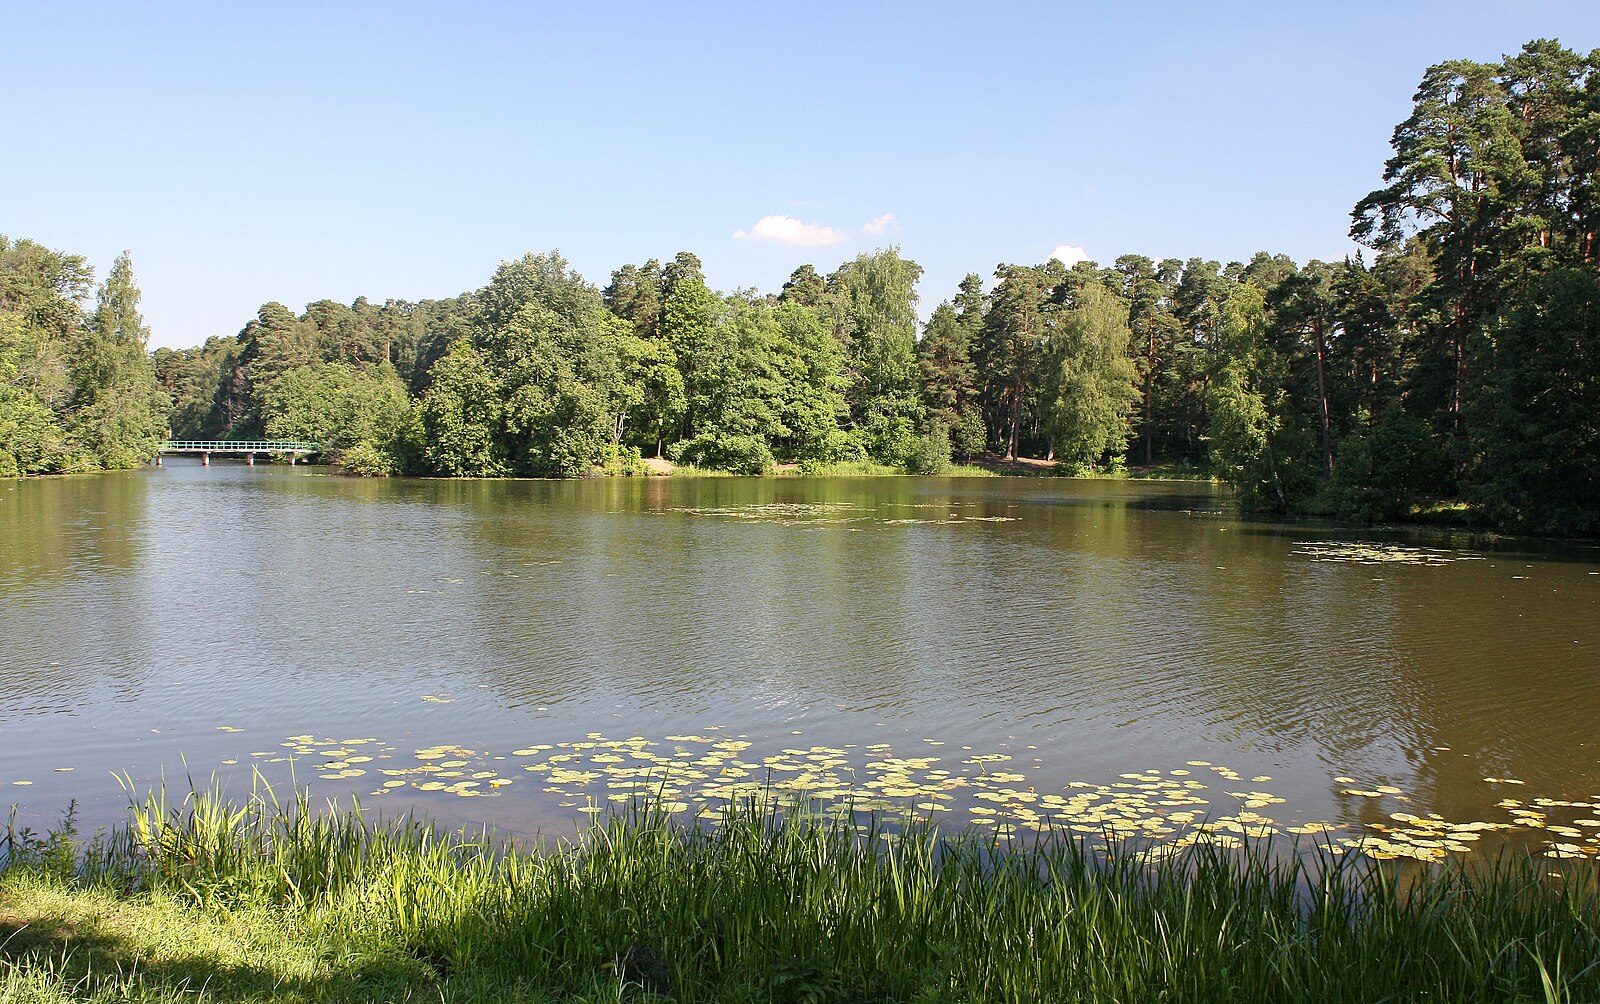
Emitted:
pixel 1453 366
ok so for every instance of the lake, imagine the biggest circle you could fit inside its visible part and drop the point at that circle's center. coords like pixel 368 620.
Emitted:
pixel 999 652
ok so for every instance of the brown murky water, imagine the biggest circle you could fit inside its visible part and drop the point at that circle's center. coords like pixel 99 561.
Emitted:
pixel 1001 652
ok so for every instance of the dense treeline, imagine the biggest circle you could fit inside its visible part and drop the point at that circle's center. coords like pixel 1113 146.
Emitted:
pixel 1459 363
pixel 77 390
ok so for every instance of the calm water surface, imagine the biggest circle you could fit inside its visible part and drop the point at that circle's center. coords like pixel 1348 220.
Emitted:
pixel 202 622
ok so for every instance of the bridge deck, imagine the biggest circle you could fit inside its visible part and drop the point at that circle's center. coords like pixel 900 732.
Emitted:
pixel 239 446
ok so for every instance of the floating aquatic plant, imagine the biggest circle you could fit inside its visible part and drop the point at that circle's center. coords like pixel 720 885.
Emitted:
pixel 824 514
pixel 703 773
pixel 1369 553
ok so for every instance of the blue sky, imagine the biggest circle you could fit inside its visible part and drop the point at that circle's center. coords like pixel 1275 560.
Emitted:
pixel 290 152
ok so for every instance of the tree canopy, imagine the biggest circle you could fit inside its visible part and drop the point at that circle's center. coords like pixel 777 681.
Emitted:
pixel 1458 362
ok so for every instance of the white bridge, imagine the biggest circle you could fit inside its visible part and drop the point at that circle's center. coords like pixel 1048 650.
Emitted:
pixel 248 448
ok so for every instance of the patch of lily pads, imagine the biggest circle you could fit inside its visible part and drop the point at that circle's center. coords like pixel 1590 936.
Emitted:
pixel 819 515
pixel 1369 553
pixel 1167 808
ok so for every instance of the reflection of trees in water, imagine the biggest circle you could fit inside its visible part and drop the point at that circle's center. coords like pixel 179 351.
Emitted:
pixel 1502 671
pixel 1101 625
pixel 1178 629
pixel 71 553
pixel 645 603
pixel 1091 623
pixel 52 528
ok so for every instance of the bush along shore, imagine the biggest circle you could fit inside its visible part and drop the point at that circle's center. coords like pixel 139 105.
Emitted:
pixel 264 901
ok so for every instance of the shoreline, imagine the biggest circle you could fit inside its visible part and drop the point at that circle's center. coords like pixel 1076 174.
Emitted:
pixel 269 902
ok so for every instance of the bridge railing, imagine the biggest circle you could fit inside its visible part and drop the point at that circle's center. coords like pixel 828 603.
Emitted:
pixel 241 445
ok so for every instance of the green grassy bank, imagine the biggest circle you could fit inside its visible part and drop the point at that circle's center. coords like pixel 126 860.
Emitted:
pixel 260 902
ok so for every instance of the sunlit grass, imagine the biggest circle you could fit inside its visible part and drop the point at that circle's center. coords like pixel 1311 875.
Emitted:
pixel 691 471
pixel 265 900
pixel 850 469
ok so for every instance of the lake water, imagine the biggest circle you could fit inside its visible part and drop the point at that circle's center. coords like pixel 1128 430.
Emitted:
pixel 1124 655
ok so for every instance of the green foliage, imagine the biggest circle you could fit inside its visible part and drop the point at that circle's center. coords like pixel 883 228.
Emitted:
pixel 635 296
pixel 77 390
pixel 746 389
pixel 199 382
pixel 1486 237
pixel 889 439
pixel 729 452
pixel 461 418
pixel 550 349
pixel 653 390
pixel 871 307
pixel 1535 415
pixel 743 381
pixel 270 346
pixel 689 323
pixel 1253 445
pixel 626 462
pixel 932 455
pixel 1154 329
pixel 31 440
pixel 805 287
pixel 811 365
pixel 1380 474
pixel 370 460
pixel 779 903
pixel 119 411
pixel 310 403
pixel 355 415
pixel 1092 390
pixel 949 380
pixel 969 437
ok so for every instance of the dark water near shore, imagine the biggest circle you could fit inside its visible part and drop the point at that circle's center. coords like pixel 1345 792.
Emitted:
pixel 196 621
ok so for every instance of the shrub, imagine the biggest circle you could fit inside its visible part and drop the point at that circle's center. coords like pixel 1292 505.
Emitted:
pixel 737 454
pixel 932 455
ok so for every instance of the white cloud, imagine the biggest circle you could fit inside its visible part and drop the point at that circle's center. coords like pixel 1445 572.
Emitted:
pixel 788 230
pixel 881 225
pixel 1069 254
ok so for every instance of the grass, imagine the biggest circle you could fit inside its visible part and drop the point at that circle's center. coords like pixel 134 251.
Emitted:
pixel 849 469
pixel 1171 472
pixel 261 901
pixel 691 471
pixel 1154 472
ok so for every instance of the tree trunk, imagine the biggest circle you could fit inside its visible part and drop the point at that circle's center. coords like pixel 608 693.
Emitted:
pixel 1322 398
pixel 1149 398
pixel 1016 422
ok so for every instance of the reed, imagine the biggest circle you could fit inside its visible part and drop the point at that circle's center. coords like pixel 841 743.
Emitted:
pixel 779 902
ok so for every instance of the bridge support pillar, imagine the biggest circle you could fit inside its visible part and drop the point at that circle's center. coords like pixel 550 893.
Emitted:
pixel 158 460
pixel 291 459
pixel 205 460
pixel 249 459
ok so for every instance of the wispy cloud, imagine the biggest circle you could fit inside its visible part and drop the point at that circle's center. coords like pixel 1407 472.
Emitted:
pixel 881 225
pixel 788 230
pixel 1069 254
